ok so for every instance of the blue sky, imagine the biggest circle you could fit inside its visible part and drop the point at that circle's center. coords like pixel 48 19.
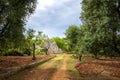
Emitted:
pixel 53 17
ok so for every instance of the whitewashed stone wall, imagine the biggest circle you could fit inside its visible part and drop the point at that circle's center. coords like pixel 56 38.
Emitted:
pixel 51 46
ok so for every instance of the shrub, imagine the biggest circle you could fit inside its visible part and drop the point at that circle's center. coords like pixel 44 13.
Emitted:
pixel 27 51
pixel 13 52
pixel 41 52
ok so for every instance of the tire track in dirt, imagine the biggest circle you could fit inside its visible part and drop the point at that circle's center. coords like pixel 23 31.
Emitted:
pixel 39 74
pixel 42 72
pixel 62 72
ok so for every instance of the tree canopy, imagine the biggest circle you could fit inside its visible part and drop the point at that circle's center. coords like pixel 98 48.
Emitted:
pixel 13 16
pixel 100 30
pixel 72 35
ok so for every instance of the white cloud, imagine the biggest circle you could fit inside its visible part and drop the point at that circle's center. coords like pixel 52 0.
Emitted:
pixel 43 4
pixel 54 16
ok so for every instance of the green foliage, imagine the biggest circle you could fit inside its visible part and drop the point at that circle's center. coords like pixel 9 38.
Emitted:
pixel 40 52
pixel 102 27
pixel 27 51
pixel 39 37
pixel 30 34
pixel 61 42
pixel 72 35
pixel 29 38
pixel 99 32
pixel 13 52
pixel 13 15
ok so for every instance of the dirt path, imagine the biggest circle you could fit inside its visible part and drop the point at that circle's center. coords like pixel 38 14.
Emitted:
pixel 59 68
pixel 54 69
pixel 40 74
pixel 61 73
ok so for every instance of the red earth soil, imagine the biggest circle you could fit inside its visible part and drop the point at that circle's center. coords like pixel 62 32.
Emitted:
pixel 13 61
pixel 110 67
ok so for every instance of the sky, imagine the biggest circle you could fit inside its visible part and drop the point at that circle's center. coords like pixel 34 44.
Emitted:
pixel 53 17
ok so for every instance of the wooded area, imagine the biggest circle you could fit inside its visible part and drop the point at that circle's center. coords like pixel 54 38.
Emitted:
pixel 93 48
pixel 13 17
pixel 99 33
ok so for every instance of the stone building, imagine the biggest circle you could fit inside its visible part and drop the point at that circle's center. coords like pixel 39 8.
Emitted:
pixel 51 46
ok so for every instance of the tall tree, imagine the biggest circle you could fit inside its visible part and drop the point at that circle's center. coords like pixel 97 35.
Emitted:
pixel 102 21
pixel 13 14
pixel 72 35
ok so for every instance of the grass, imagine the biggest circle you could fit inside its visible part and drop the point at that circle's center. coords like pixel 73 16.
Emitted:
pixel 71 67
